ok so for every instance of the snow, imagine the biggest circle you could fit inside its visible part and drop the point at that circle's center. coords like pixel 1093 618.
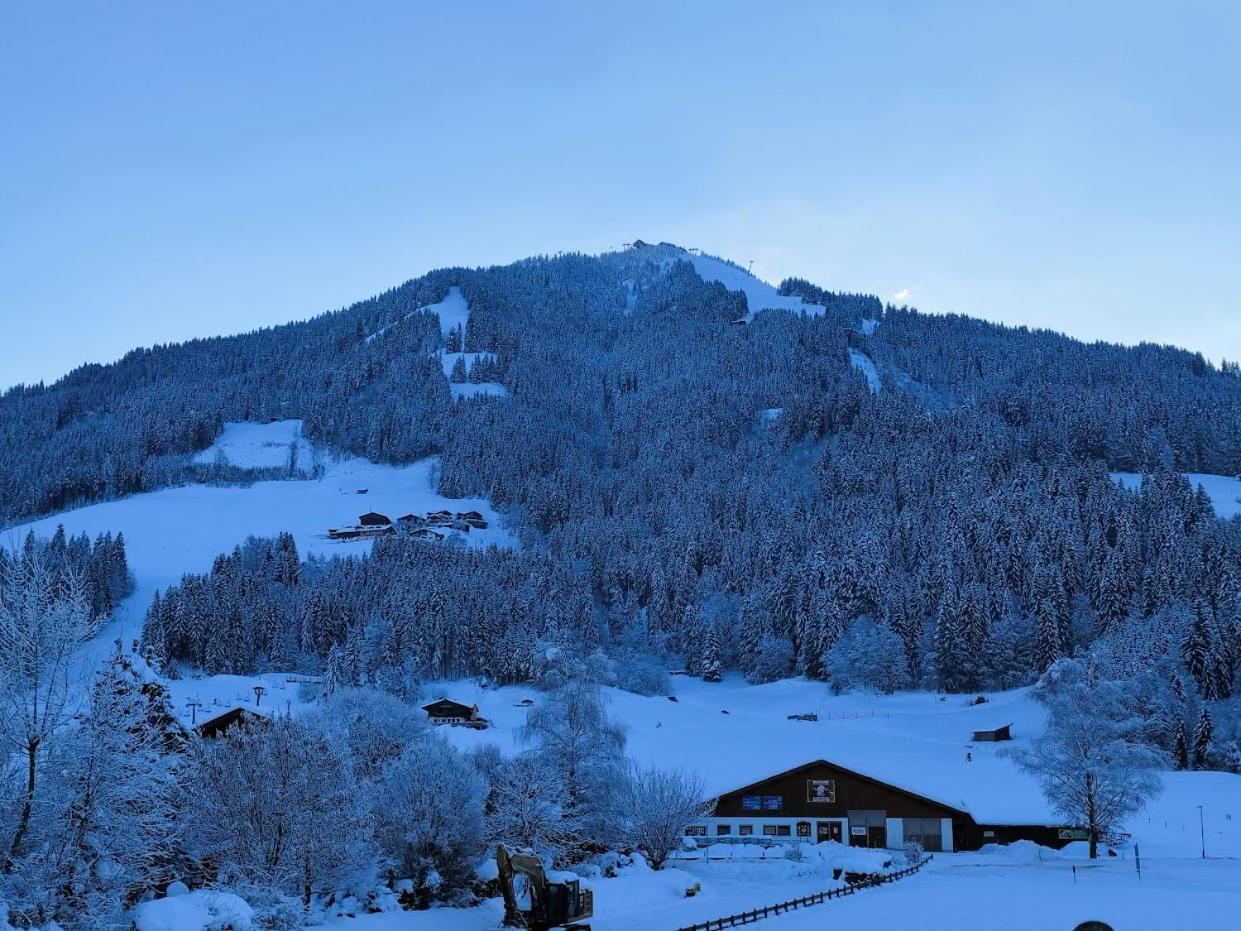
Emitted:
pixel 202 910
pixel 864 364
pixel 975 890
pixel 915 740
pixel 259 446
pixel 175 531
pixel 759 294
pixel 868 326
pixel 1223 490
pixel 452 310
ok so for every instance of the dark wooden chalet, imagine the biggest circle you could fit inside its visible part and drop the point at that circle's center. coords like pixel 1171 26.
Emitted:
pixel 374 519
pixel 447 711
pixel 222 723
pixel 994 734
pixel 822 801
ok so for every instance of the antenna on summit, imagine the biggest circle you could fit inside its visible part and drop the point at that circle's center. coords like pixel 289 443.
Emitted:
pixel 750 268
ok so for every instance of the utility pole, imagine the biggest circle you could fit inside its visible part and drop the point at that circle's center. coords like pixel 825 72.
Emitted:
pixel 1202 832
pixel 259 692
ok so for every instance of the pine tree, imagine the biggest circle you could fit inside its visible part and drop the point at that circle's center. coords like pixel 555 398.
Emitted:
pixel 1196 653
pixel 711 656
pixel 1180 753
pixel 1202 739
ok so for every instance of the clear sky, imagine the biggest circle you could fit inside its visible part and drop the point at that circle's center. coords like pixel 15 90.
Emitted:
pixel 170 170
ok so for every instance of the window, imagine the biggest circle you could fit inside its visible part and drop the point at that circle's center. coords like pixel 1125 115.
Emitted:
pixel 777 830
pixel 925 831
pixel 745 830
pixel 751 802
pixel 772 802
pixel 696 830
pixel 723 829
pixel 803 828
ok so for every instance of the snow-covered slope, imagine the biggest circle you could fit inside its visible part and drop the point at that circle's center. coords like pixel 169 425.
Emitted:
pixel 177 530
pixel 1223 490
pixel 759 294
pixel 864 364
pixel 260 446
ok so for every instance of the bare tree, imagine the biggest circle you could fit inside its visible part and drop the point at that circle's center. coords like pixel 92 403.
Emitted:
pixel 43 619
pixel 661 803
pixel 1092 770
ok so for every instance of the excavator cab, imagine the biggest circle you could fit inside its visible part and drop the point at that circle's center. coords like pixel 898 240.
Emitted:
pixel 563 904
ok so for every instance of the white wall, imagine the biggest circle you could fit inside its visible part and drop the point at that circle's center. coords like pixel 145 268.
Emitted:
pixel 945 825
pixel 896 833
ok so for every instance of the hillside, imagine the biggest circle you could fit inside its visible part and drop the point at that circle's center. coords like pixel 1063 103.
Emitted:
pixel 650 490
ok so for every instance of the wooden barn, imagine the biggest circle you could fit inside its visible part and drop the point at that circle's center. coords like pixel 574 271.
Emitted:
pixel 822 801
pixel 994 734
pixel 447 711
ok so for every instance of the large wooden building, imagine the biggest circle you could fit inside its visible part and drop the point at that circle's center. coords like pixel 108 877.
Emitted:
pixel 821 801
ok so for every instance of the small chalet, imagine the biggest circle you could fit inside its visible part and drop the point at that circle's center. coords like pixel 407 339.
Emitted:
pixel 447 711
pixel 994 734
pixel 374 519
pixel 221 724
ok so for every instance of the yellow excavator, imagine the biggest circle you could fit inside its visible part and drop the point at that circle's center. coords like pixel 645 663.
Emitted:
pixel 552 904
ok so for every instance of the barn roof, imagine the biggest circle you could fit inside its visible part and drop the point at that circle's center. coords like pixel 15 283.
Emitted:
pixel 854 773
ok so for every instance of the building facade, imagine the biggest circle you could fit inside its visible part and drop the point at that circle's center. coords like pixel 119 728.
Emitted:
pixel 821 801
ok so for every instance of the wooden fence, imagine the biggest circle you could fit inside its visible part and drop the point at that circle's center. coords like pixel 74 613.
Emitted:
pixel 767 911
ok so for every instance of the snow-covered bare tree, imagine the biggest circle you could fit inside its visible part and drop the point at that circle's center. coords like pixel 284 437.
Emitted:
pixel 1090 767
pixel 427 815
pixel 43 620
pixel 273 803
pixel 659 803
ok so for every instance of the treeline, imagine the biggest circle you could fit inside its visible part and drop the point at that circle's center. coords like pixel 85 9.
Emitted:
pixel 407 612
pixel 99 569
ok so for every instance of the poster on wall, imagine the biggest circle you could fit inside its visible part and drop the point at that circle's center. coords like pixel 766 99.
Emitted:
pixel 821 790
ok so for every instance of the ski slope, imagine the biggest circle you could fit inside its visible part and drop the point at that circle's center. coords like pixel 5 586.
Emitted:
pixel 759 295
pixel 1223 490
pixel 864 364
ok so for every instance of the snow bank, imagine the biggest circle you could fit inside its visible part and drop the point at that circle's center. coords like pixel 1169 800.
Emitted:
pixel 202 910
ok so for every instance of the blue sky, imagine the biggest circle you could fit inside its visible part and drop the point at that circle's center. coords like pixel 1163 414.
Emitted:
pixel 177 170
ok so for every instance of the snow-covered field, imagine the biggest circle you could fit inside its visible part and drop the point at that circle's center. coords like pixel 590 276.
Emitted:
pixel 260 446
pixel 174 531
pixel 1223 490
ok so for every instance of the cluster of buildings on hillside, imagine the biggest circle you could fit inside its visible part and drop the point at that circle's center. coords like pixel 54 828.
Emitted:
pixel 431 526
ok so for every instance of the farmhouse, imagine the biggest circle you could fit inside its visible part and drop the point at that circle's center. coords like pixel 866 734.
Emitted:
pixel 994 734
pixel 447 711
pixel 821 801
pixel 374 519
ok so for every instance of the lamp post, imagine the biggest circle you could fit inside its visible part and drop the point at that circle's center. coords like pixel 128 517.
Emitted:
pixel 193 704
pixel 259 692
pixel 1202 832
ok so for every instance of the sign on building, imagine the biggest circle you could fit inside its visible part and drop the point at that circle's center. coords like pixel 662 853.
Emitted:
pixel 821 790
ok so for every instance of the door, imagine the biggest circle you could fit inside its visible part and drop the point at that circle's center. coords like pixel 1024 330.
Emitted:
pixel 868 828
pixel 828 830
